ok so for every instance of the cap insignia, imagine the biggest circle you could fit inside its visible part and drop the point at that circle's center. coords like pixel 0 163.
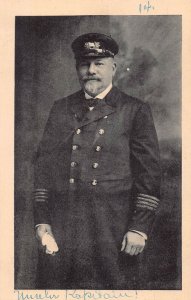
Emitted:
pixel 92 45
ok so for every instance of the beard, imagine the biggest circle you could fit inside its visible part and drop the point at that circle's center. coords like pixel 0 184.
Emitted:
pixel 92 87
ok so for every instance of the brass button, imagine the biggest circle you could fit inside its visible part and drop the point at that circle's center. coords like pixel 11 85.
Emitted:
pixel 101 131
pixel 98 148
pixel 75 147
pixel 73 164
pixel 94 182
pixel 78 131
pixel 95 165
pixel 71 180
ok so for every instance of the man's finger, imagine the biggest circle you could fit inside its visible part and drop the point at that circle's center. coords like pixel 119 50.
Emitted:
pixel 133 249
pixel 128 249
pixel 123 243
pixel 141 249
pixel 137 251
pixel 50 252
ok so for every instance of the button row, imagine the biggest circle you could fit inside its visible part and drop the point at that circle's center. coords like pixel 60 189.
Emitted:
pixel 91 108
pixel 76 147
pixel 101 131
pixel 74 164
pixel 94 181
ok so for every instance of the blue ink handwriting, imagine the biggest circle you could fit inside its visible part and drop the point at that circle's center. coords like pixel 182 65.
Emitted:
pixel 146 7
pixel 43 295
pixel 85 295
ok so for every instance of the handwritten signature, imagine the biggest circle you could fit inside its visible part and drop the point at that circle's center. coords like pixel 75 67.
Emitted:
pixel 78 295
pixel 43 295
pixel 99 294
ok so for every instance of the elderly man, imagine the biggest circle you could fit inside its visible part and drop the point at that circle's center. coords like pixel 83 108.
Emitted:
pixel 97 179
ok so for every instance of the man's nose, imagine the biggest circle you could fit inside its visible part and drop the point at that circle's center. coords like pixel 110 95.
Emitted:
pixel 92 68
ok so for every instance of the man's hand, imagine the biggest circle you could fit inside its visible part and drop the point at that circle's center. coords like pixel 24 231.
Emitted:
pixel 133 243
pixel 45 236
pixel 42 229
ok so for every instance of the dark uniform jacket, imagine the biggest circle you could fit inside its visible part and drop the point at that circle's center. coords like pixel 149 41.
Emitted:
pixel 97 175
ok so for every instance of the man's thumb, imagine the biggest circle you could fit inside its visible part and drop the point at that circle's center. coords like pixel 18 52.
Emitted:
pixel 41 230
pixel 123 243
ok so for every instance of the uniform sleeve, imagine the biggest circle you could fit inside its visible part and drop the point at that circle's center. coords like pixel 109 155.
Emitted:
pixel 42 173
pixel 145 164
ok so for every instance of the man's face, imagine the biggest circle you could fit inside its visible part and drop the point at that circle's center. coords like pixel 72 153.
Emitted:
pixel 95 74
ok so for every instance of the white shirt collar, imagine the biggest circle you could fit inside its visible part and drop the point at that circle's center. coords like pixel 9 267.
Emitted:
pixel 102 94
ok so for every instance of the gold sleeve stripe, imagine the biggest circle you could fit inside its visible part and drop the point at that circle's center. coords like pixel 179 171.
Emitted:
pixel 146 206
pixel 41 195
pixel 41 190
pixel 148 197
pixel 40 200
pixel 148 200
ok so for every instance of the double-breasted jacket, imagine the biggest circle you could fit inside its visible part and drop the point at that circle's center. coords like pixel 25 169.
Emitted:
pixel 97 175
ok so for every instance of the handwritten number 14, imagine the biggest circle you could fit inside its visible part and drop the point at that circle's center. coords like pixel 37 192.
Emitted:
pixel 145 7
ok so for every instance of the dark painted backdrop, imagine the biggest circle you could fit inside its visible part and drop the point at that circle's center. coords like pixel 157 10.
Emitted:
pixel 149 67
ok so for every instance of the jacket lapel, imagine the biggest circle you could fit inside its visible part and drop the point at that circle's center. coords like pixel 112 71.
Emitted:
pixel 106 107
pixel 78 106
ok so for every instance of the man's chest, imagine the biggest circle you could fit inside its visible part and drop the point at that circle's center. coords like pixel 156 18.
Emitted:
pixel 99 126
pixel 97 147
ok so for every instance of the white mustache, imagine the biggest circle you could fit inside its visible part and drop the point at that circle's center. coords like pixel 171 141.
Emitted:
pixel 91 78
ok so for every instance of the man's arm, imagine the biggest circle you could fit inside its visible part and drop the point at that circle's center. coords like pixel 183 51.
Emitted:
pixel 43 179
pixel 145 164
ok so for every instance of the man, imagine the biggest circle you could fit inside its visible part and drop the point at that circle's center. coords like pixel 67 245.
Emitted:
pixel 97 179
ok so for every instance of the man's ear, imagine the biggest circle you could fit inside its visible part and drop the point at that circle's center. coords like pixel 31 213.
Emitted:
pixel 114 67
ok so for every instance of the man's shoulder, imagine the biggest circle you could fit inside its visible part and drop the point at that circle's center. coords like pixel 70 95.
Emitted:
pixel 119 97
pixel 68 99
pixel 115 97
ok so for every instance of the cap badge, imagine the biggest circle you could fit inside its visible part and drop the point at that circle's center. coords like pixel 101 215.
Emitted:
pixel 92 45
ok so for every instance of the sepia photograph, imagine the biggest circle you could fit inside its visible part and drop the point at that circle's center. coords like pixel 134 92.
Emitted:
pixel 97 145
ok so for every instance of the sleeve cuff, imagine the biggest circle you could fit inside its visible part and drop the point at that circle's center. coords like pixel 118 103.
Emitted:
pixel 144 235
pixel 41 224
pixel 41 209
